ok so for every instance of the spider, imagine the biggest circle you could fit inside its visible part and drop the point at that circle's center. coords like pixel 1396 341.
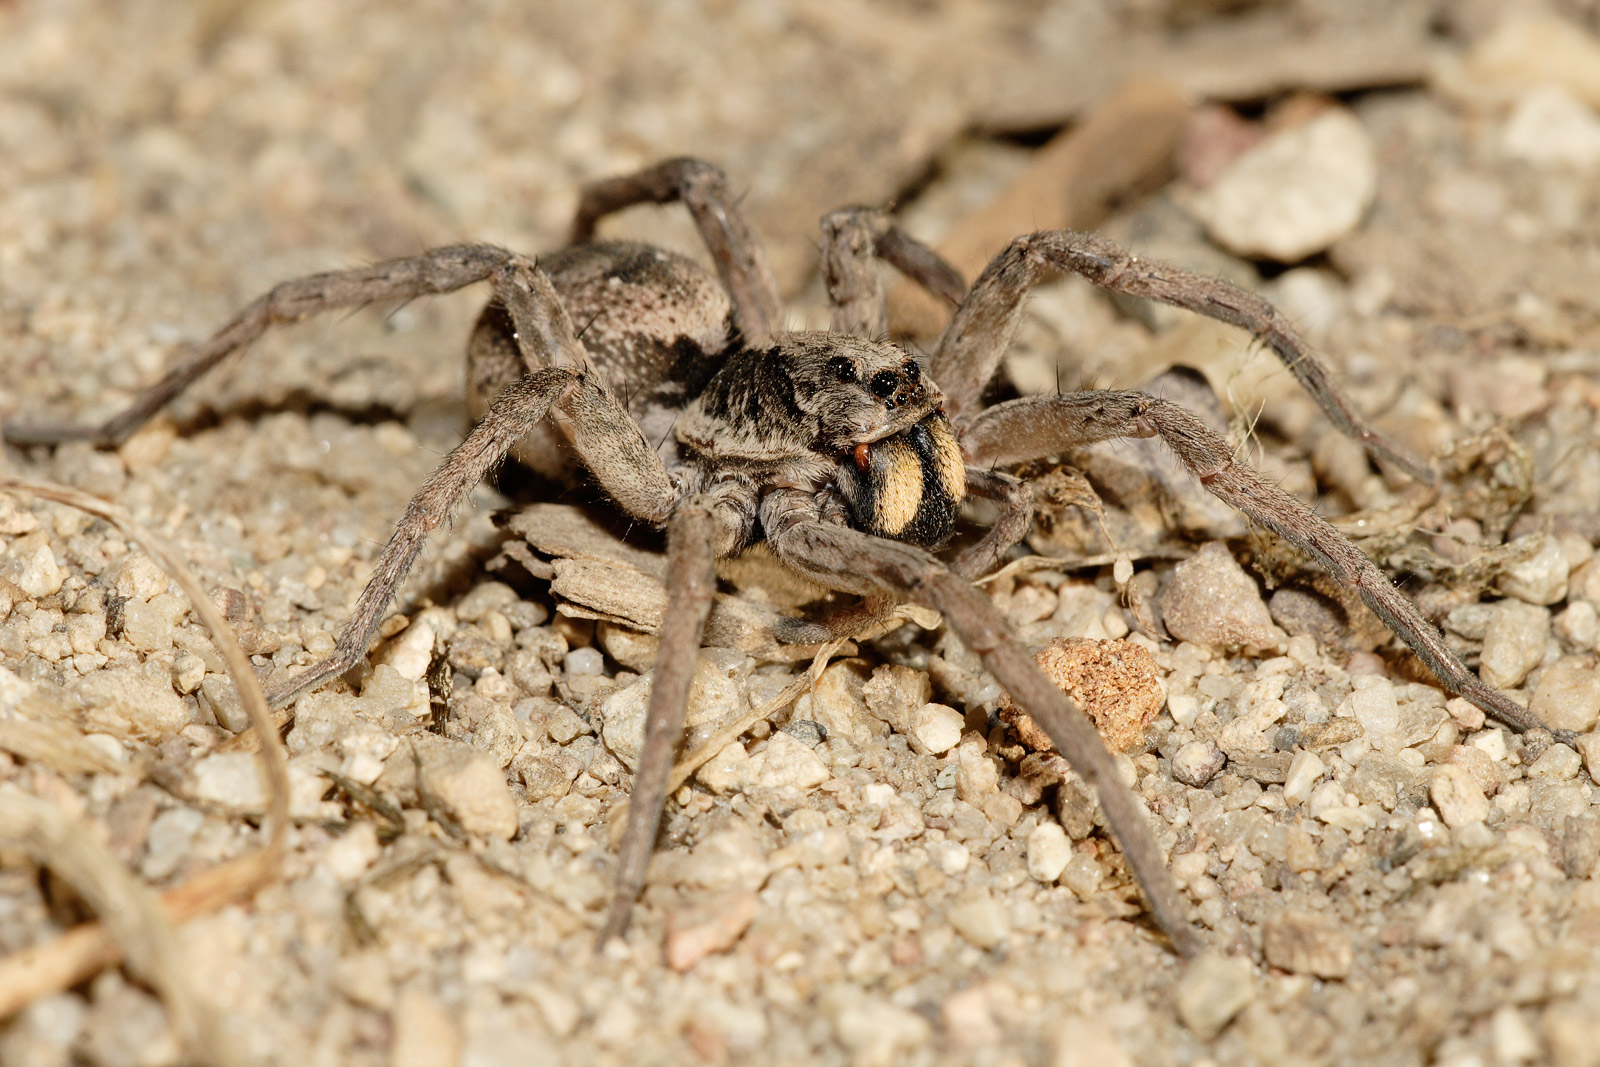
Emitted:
pixel 842 452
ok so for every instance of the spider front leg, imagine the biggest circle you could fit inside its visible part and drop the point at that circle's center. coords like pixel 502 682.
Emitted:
pixel 692 536
pixel 1040 426
pixel 603 433
pixel 702 187
pixel 441 270
pixel 852 561
pixel 852 238
pixel 981 330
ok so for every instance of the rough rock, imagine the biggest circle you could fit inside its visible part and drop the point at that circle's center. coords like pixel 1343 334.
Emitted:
pixel 1568 697
pixel 1213 602
pixel 1115 682
pixel 1304 943
pixel 468 784
pixel 1213 990
pixel 717 695
pixel 1296 192
pixel 1457 796
pixel 1513 644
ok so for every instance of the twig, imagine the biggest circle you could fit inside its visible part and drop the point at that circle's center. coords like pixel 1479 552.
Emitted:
pixel 1123 147
pixel 132 925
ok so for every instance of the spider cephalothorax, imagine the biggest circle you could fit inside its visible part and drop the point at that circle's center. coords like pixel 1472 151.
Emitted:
pixel 817 410
pixel 844 454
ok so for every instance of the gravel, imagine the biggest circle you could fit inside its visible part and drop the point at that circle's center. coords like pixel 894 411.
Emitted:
pixel 1381 875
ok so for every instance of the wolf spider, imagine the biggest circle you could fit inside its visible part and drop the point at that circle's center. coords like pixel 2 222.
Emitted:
pixel 840 451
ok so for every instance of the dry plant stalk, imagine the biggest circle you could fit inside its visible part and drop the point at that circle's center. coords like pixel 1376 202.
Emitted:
pixel 136 925
pixel 1124 146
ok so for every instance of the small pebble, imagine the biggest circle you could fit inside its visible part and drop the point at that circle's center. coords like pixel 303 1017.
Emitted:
pixel 707 927
pixel 1557 762
pixel 1375 707
pixel 1081 1041
pixel 1549 127
pixel 951 857
pixel 1213 602
pixel 1304 771
pixel 1197 762
pixel 411 653
pixel 236 782
pixel 980 918
pixel 1512 1037
pixel 188 670
pixel 1049 849
pixel 582 661
pixel 716 696
pixel 1214 988
pixel 1457 796
pixel 38 575
pixel 728 771
pixel 168 844
pixel 1579 625
pixel 468 783
pixel 936 729
pixel 425 1033
pixel 1589 749
pixel 1542 577
pixel 223 699
pixel 1296 192
pixel 879 1034
pixel 1305 943
pixel 787 764
pixel 1513 644
pixel 149 625
pixel 1083 875
pixel 1568 697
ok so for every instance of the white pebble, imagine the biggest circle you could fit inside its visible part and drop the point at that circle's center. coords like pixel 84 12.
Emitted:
pixel 1513 1038
pixel 951 857
pixel 581 661
pixel 1197 762
pixel 1579 625
pixel 1556 762
pixel 1549 127
pixel 1185 708
pixel 469 783
pixel 1296 192
pixel 1304 770
pixel 1457 797
pixel 1214 989
pixel 1567 697
pixel 787 764
pixel 1049 849
pixel 1373 702
pixel 39 576
pixel 188 670
pixel 981 919
pixel 411 652
pixel 1542 577
pixel 936 729
pixel 1513 644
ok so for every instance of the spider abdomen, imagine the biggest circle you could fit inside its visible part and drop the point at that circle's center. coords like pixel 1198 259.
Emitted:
pixel 908 487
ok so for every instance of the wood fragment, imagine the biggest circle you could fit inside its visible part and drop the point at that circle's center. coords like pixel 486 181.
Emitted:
pixel 1125 146
pixel 133 926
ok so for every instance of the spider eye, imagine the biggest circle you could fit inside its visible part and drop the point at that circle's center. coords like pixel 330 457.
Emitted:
pixel 912 369
pixel 884 383
pixel 842 369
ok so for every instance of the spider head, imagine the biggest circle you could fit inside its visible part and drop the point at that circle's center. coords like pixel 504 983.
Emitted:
pixel 900 469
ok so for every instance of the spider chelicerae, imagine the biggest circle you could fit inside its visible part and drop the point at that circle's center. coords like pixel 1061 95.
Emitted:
pixel 845 454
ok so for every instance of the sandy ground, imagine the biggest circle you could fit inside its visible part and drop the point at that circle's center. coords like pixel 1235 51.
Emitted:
pixel 1382 877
